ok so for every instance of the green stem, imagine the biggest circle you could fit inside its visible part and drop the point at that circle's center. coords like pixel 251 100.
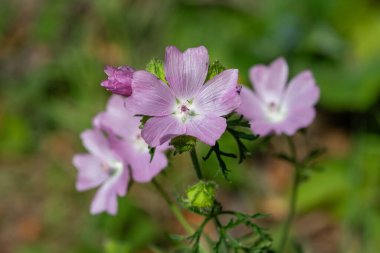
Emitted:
pixel 197 167
pixel 174 208
pixel 293 198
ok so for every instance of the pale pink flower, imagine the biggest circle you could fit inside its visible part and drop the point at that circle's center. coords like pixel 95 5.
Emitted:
pixel 186 105
pixel 103 167
pixel 119 80
pixel 117 154
pixel 273 106
pixel 121 122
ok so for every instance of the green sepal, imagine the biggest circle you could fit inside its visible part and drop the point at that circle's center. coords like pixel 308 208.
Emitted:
pixel 214 69
pixel 183 143
pixel 156 67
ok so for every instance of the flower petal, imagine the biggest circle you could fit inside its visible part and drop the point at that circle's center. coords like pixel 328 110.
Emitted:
pixel 143 170
pixel 90 172
pixel 207 128
pixel 302 91
pixel 186 72
pixel 118 118
pixel 150 96
pixel 106 197
pixel 219 95
pixel 251 106
pixel 158 130
pixel 105 200
pixel 96 143
pixel 297 119
pixel 269 81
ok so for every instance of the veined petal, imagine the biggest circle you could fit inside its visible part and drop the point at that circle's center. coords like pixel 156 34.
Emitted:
pixel 158 130
pixel 90 172
pixel 269 81
pixel 301 91
pixel 150 96
pixel 97 144
pixel 207 128
pixel 186 72
pixel 219 95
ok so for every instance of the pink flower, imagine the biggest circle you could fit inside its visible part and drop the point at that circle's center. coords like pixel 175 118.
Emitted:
pixel 114 159
pixel 186 105
pixel 120 121
pixel 101 167
pixel 276 107
pixel 119 80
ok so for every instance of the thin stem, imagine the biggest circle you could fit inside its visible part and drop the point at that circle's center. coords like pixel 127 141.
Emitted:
pixel 174 208
pixel 293 198
pixel 197 167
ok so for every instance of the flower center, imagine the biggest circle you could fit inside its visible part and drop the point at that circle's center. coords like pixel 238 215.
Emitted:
pixel 275 112
pixel 139 144
pixel 113 167
pixel 183 110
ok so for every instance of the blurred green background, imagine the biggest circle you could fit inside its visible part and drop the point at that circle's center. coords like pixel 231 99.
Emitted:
pixel 52 55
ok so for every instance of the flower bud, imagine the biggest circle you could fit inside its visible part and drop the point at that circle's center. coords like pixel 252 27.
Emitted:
pixel 201 195
pixel 183 143
pixel 119 80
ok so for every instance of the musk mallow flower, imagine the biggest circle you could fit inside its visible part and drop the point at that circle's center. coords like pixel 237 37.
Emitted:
pixel 185 105
pixel 117 154
pixel 103 166
pixel 273 106
pixel 118 120
pixel 119 80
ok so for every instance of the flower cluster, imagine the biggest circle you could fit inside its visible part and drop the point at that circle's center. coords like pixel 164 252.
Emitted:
pixel 184 100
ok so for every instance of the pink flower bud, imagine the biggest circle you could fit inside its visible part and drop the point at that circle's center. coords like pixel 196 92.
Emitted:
pixel 119 80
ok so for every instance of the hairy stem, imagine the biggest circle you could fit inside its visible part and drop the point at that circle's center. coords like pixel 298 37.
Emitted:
pixel 174 208
pixel 197 167
pixel 293 198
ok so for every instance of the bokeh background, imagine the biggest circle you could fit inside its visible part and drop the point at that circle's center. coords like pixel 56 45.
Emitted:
pixel 52 55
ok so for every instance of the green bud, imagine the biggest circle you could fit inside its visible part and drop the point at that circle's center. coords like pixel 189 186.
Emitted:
pixel 214 69
pixel 201 195
pixel 183 143
pixel 156 67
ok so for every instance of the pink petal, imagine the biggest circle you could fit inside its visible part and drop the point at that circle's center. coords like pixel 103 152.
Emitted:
pixel 106 197
pixel 158 130
pixel 118 118
pixel 251 106
pixel 219 96
pixel 105 200
pixel 262 127
pixel 90 172
pixel 269 81
pixel 186 72
pixel 207 128
pixel 97 144
pixel 143 170
pixel 297 119
pixel 301 91
pixel 150 96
